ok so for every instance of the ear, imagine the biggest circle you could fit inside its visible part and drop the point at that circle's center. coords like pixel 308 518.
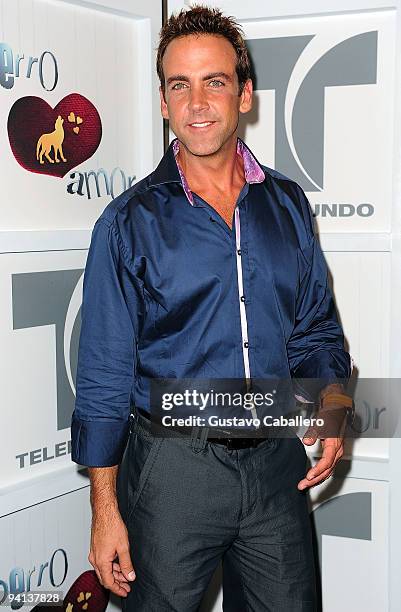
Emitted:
pixel 246 97
pixel 163 105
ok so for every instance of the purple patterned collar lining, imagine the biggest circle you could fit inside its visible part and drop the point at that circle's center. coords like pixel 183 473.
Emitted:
pixel 253 171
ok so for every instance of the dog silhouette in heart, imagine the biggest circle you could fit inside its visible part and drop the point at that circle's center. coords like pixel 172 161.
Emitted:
pixel 55 140
pixel 50 140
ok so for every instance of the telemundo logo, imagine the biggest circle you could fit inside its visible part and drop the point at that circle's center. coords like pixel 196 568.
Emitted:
pixel 343 210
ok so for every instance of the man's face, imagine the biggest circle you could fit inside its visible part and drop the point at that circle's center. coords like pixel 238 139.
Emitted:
pixel 201 92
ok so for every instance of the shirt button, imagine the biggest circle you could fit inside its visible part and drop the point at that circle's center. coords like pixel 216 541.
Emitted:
pixel 246 344
pixel 238 251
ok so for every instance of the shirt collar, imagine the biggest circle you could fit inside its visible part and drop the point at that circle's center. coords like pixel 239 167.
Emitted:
pixel 169 169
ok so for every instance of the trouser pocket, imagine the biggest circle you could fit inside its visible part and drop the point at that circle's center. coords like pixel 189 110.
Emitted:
pixel 142 456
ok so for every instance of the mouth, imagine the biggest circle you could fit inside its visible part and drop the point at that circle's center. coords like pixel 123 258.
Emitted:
pixel 197 125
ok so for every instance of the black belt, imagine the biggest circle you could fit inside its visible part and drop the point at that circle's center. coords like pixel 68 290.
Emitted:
pixel 230 443
pixel 234 443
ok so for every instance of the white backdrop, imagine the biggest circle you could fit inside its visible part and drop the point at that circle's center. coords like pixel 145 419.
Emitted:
pixel 345 60
pixel 92 64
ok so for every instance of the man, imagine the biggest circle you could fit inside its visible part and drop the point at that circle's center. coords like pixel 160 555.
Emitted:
pixel 209 267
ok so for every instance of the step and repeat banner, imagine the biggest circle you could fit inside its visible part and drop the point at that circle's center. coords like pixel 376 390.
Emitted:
pixel 77 99
pixel 80 118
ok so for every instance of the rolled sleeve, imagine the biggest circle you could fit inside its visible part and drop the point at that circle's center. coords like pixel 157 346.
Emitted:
pixel 106 353
pixel 316 346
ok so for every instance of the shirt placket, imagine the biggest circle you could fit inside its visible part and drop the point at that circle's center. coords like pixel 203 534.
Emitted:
pixel 242 306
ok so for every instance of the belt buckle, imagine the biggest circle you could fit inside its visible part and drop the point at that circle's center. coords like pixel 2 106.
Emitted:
pixel 237 443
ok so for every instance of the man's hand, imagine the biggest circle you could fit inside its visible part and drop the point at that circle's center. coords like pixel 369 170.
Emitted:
pixel 331 435
pixel 109 551
pixel 109 539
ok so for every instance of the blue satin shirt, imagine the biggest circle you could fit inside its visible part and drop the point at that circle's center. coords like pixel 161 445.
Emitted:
pixel 171 291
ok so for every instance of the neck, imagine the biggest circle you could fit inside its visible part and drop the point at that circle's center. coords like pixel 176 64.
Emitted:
pixel 222 169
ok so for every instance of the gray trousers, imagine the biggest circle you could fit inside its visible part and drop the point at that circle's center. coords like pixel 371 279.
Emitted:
pixel 189 504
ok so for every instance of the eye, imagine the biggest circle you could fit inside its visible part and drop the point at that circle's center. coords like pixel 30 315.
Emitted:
pixel 216 83
pixel 178 86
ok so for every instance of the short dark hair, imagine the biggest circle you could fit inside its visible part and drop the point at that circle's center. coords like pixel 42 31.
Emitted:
pixel 204 20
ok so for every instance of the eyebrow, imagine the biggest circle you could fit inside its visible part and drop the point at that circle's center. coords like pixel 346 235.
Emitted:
pixel 212 75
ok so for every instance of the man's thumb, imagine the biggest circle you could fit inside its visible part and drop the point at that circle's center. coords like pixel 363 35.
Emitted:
pixel 126 566
pixel 309 437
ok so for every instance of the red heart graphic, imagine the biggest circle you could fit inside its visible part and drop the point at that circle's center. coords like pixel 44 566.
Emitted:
pixel 35 132
pixel 87 583
pixel 86 593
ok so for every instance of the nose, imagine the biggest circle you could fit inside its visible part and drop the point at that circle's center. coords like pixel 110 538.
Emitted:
pixel 198 99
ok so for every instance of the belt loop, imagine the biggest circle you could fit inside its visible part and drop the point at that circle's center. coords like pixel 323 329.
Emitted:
pixel 199 438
